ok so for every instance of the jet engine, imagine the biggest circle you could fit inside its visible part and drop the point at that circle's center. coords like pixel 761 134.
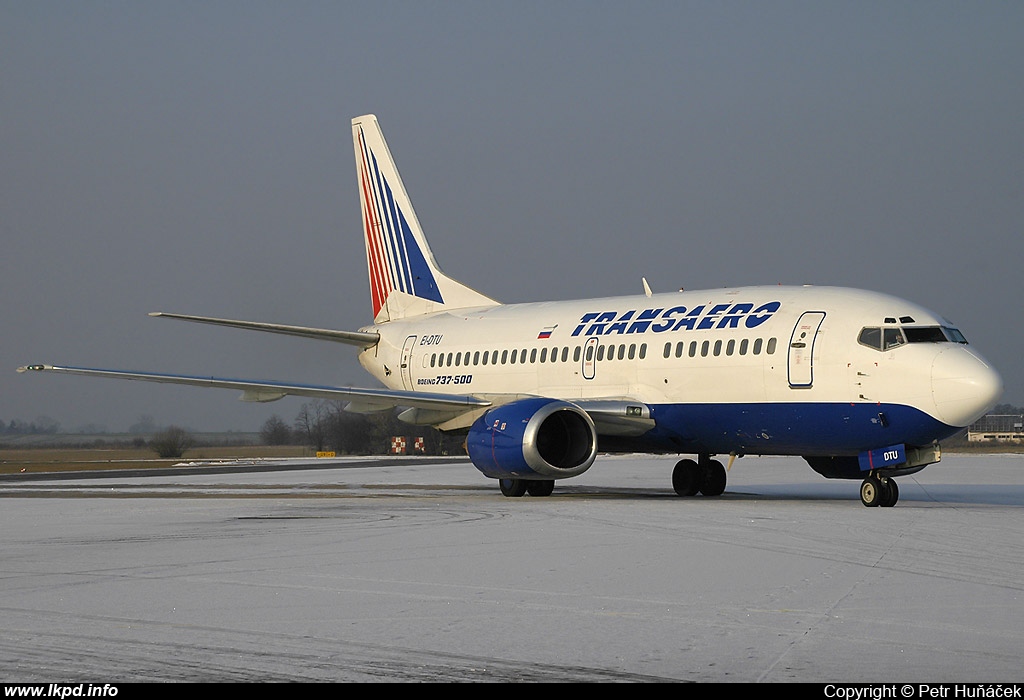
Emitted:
pixel 536 438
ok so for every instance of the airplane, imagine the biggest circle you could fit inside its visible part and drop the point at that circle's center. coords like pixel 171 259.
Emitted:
pixel 861 385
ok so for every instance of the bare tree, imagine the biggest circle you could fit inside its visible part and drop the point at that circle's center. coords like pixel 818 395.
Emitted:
pixel 326 424
pixel 347 433
pixel 171 443
pixel 275 432
pixel 310 424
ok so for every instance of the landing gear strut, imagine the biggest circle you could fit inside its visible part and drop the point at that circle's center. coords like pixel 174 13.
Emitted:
pixel 706 476
pixel 879 491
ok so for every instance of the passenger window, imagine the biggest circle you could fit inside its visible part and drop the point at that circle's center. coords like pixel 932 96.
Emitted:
pixel 743 346
pixel 757 346
pixel 730 347
pixel 771 346
pixel 668 350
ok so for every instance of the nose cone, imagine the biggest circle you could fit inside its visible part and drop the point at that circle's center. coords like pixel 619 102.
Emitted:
pixel 964 386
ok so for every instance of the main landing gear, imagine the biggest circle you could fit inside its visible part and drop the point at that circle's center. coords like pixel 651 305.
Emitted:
pixel 515 488
pixel 705 476
pixel 879 490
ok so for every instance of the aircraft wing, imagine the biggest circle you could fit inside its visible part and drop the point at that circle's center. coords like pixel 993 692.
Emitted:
pixel 362 400
pixel 612 416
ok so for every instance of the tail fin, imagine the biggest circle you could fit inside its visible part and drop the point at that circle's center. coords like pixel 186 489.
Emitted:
pixel 404 277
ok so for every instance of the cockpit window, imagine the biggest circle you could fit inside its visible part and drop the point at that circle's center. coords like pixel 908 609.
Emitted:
pixel 872 337
pixel 889 338
pixel 881 338
pixel 954 335
pixel 934 334
pixel 929 334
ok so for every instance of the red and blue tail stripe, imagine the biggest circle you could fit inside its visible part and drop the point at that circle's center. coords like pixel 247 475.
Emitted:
pixel 394 257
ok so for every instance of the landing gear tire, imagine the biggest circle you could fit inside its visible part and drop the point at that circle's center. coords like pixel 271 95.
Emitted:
pixel 543 487
pixel 890 492
pixel 714 479
pixel 871 492
pixel 879 491
pixel 513 488
pixel 687 478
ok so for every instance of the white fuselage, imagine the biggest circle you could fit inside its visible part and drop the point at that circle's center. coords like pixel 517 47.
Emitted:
pixel 732 347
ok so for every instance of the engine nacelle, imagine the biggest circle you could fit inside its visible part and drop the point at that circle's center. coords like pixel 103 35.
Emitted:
pixel 533 439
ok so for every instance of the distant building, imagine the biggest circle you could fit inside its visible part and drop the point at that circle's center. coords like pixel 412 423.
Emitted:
pixel 997 427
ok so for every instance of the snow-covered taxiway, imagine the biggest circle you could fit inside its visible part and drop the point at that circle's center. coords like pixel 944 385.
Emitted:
pixel 425 572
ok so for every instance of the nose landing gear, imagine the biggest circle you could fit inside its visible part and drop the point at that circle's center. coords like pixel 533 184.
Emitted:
pixel 879 491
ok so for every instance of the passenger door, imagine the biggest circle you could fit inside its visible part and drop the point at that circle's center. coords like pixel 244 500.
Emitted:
pixel 801 349
pixel 406 367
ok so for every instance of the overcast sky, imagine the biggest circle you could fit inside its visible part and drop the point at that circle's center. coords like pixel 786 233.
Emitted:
pixel 196 157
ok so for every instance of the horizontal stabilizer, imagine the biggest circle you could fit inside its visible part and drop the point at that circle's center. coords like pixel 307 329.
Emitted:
pixel 358 338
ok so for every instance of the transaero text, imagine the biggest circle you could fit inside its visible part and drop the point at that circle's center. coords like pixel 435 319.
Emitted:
pixel 702 317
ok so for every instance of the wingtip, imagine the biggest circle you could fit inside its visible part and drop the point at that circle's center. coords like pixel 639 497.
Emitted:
pixel 32 368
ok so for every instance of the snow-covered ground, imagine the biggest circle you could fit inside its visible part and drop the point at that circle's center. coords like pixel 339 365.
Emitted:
pixel 427 573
